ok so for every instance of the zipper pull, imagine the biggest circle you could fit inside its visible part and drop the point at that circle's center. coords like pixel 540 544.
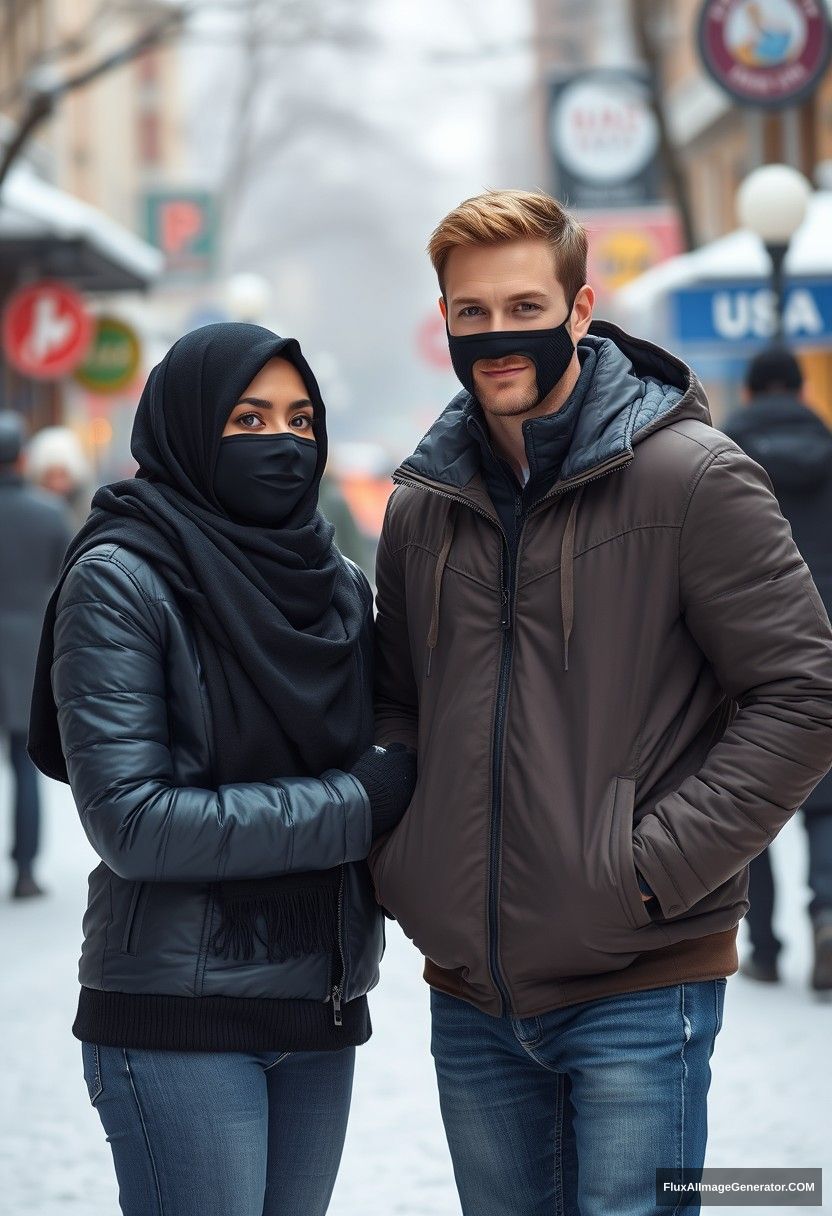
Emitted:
pixel 505 618
pixel 336 1006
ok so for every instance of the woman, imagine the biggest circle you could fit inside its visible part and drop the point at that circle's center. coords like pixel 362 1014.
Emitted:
pixel 210 705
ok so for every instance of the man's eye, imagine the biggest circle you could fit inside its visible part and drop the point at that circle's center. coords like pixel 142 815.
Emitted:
pixel 471 311
pixel 528 306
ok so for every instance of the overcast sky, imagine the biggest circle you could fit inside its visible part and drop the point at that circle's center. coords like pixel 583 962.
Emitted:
pixel 354 147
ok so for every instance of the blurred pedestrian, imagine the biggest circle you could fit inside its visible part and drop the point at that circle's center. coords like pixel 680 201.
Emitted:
pixel 595 625
pixel 34 534
pixel 793 444
pixel 203 686
pixel 55 461
pixel 348 536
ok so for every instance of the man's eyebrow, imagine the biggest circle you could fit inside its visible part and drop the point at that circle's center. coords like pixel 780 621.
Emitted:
pixel 532 294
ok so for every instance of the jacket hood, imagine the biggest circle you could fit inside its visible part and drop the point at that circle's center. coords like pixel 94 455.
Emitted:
pixel 787 438
pixel 636 388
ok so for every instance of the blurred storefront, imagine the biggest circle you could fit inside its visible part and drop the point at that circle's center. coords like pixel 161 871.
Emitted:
pixel 72 205
pixel 714 306
pixel 47 235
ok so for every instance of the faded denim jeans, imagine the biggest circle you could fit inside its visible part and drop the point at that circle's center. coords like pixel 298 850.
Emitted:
pixel 572 1112
pixel 197 1133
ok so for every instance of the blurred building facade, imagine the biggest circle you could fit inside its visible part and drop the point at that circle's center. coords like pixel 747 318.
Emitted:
pixel 103 145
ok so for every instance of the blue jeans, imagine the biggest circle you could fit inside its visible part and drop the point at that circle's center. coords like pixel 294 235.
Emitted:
pixel 571 1113
pixel 222 1133
pixel 765 943
pixel 26 803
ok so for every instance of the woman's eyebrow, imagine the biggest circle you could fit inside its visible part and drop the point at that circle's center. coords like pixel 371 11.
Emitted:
pixel 259 401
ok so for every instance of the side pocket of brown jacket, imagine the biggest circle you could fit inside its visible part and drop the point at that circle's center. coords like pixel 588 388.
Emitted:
pixel 626 878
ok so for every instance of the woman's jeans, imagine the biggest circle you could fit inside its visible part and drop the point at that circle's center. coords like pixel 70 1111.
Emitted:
pixel 222 1133
pixel 572 1112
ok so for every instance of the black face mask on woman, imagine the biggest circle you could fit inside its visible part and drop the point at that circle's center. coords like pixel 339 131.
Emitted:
pixel 260 479
pixel 550 350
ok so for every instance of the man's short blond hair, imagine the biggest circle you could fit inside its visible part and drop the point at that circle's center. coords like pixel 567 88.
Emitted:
pixel 513 215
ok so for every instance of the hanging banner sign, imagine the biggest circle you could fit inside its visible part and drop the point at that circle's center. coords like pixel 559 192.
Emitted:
pixel 625 244
pixel 184 225
pixel 737 314
pixel 604 139
pixel 769 53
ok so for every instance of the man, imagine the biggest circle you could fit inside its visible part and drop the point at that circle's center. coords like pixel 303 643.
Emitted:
pixel 793 444
pixel 34 533
pixel 595 627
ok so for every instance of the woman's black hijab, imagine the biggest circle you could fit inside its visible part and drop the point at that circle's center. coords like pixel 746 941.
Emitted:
pixel 277 612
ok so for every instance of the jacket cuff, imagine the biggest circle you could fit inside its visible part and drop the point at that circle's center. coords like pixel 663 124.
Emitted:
pixel 358 822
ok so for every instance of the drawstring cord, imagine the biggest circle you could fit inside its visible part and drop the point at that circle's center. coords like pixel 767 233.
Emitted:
pixel 567 576
pixel 441 562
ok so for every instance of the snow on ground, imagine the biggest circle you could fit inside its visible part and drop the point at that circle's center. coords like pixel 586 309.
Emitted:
pixel 770 1097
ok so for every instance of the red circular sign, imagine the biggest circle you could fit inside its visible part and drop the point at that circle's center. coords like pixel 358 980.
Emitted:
pixel 768 53
pixel 432 343
pixel 46 330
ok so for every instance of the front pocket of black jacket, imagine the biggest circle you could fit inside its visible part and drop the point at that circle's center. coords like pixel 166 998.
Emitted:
pixel 135 913
pixel 625 869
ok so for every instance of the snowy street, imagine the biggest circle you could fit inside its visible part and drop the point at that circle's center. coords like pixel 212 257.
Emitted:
pixel 770 1098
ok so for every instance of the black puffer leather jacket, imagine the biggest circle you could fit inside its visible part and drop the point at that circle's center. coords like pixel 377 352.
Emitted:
pixel 136 732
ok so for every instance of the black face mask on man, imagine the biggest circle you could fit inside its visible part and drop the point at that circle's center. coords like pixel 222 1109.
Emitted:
pixel 550 350
pixel 260 479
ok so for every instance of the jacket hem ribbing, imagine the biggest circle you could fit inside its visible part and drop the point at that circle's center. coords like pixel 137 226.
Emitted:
pixel 217 1023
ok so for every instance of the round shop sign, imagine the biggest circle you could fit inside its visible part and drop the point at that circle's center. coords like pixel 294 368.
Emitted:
pixel 768 53
pixel 46 330
pixel 113 358
pixel 603 127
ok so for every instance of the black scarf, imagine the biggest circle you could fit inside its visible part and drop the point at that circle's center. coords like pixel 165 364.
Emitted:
pixel 276 612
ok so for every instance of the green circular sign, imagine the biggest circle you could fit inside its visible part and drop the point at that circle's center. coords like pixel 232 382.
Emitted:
pixel 113 357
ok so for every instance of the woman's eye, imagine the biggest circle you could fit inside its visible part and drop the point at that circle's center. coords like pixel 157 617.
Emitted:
pixel 249 421
pixel 302 423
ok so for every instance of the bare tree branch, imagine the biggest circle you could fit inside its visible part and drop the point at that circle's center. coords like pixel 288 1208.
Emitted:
pixel 643 18
pixel 44 101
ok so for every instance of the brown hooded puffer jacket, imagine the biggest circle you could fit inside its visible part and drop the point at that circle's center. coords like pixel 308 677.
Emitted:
pixel 654 692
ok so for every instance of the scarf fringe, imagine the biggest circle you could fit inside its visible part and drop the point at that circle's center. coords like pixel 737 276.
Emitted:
pixel 289 924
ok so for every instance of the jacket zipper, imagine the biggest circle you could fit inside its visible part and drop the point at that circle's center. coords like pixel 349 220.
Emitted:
pixel 508 585
pixel 338 989
pixel 507 597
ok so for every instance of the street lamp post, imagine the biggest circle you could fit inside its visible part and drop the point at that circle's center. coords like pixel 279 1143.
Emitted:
pixel 772 203
pixel 247 296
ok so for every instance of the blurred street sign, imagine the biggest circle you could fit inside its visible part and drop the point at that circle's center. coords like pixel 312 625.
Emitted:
pixel 46 330
pixel 604 139
pixel 432 343
pixel 183 224
pixel 624 244
pixel 768 53
pixel 720 314
pixel 112 360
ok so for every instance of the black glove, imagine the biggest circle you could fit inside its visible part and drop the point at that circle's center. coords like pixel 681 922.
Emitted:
pixel 389 777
